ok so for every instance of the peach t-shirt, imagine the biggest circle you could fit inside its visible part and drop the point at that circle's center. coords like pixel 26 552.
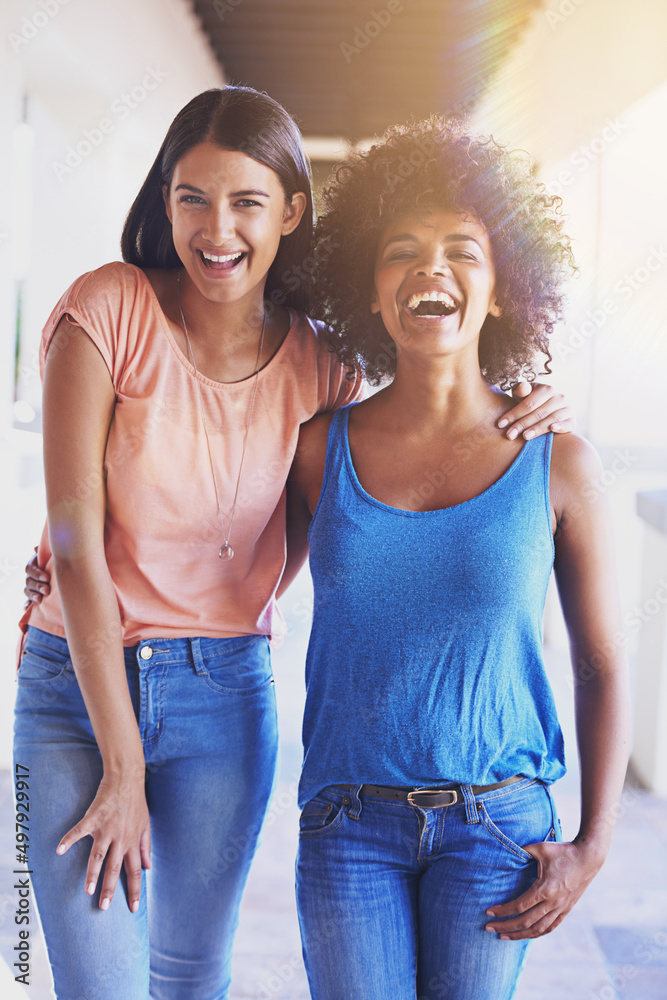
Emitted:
pixel 162 531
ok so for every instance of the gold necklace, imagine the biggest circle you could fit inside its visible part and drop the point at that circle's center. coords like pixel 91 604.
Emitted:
pixel 225 552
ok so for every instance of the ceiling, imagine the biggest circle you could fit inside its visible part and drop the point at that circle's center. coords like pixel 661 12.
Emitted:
pixel 350 68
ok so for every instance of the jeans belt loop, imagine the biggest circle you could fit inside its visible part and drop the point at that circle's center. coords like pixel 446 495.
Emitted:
pixel 197 656
pixel 472 815
pixel 354 811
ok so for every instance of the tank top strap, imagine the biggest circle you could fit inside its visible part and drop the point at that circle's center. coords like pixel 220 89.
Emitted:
pixel 530 477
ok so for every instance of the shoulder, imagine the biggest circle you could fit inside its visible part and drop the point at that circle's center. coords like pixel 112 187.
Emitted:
pixel 336 385
pixel 310 335
pixel 116 274
pixel 573 457
pixel 103 303
pixel 111 283
pixel 575 468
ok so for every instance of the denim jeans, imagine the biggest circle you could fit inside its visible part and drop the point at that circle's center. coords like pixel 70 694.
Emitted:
pixel 207 718
pixel 392 897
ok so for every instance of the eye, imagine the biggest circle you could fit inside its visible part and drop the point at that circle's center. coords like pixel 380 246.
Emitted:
pixel 248 203
pixel 191 199
pixel 462 255
pixel 401 255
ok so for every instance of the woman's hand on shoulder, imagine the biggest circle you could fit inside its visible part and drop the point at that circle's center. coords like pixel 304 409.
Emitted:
pixel 564 871
pixel 540 409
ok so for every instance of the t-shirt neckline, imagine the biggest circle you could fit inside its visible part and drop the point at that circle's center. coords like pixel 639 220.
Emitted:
pixel 187 364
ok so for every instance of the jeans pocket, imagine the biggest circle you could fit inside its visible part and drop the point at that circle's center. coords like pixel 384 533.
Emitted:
pixel 516 818
pixel 322 814
pixel 238 665
pixel 42 663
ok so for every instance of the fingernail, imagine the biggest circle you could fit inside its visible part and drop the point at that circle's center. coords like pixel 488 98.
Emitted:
pixel 512 434
pixel 490 913
pixel 60 849
pixel 528 435
pixel 104 905
pixel 503 423
pixel 504 937
pixel 487 928
pixel 90 888
pixel 555 427
pixel 135 906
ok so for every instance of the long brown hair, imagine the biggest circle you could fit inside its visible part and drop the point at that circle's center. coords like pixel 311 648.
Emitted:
pixel 243 120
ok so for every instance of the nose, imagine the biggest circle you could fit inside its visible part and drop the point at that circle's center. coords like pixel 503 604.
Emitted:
pixel 219 225
pixel 433 264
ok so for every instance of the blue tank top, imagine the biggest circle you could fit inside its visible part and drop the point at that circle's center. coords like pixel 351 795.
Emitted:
pixel 425 657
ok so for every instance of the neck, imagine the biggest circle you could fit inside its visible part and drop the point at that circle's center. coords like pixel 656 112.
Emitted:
pixel 212 325
pixel 430 392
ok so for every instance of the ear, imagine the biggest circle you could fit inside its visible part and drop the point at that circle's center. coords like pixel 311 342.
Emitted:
pixel 375 305
pixel 165 198
pixel 293 212
pixel 496 309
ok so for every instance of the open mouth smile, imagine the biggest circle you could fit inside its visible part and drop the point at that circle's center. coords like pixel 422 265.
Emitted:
pixel 434 303
pixel 221 262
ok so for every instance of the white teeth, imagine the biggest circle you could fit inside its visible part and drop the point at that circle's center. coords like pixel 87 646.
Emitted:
pixel 443 297
pixel 223 259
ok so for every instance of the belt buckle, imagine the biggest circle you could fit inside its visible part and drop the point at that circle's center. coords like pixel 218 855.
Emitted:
pixel 434 791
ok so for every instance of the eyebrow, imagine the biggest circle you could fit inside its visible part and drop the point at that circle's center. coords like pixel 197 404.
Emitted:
pixel 452 238
pixel 235 194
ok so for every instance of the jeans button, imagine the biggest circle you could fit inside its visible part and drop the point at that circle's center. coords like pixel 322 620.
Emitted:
pixel 145 652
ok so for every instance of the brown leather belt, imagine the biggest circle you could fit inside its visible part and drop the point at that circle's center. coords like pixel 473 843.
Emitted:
pixel 429 798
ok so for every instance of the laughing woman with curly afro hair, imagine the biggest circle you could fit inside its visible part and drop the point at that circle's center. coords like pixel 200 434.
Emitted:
pixel 430 850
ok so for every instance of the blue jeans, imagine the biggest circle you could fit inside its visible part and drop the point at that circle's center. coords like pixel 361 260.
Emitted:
pixel 392 897
pixel 207 717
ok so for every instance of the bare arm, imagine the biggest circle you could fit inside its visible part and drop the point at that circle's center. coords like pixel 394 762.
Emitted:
pixel 79 403
pixel 585 573
pixel 303 492
pixel 298 520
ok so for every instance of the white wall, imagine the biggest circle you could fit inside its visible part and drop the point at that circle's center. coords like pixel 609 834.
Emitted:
pixel 74 61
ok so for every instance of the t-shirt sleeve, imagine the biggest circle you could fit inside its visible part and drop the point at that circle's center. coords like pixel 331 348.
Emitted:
pixel 336 387
pixel 98 303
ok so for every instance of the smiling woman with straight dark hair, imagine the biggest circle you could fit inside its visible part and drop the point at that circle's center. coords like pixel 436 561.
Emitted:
pixel 146 709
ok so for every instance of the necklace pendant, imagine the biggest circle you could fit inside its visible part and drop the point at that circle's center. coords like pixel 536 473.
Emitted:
pixel 226 552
